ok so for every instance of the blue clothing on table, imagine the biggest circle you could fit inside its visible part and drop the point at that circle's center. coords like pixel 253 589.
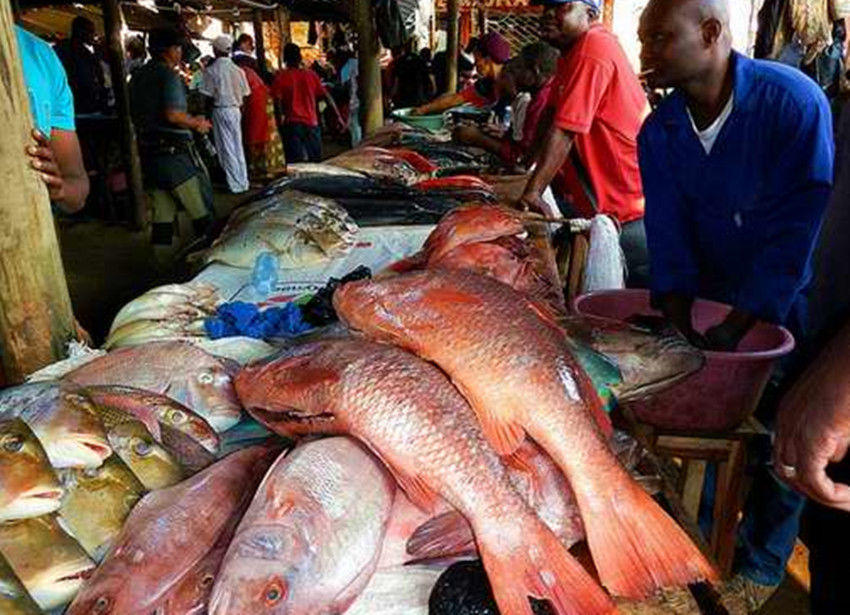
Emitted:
pixel 739 225
pixel 51 101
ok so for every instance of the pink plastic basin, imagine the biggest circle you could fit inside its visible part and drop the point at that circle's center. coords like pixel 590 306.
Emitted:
pixel 726 391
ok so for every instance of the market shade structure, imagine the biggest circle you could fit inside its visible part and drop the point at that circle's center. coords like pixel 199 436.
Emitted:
pixel 36 320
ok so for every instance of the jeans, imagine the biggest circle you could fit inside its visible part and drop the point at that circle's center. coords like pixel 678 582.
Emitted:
pixel 633 242
pixel 828 536
pixel 302 143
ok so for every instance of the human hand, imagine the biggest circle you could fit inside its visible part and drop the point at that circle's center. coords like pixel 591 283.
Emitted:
pixel 417 111
pixel 203 125
pixel 813 431
pixel 532 201
pixel 44 161
pixel 467 135
pixel 722 338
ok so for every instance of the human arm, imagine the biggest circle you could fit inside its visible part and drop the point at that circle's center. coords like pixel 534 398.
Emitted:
pixel 814 426
pixel 443 103
pixel 332 104
pixel 181 119
pixel 471 135
pixel 552 158
pixel 59 162
pixel 174 101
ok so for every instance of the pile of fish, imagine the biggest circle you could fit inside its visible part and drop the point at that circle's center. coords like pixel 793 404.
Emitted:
pixel 397 165
pixel 300 229
pixel 172 312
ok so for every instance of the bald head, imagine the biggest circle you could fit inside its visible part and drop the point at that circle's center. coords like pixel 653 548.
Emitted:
pixel 683 40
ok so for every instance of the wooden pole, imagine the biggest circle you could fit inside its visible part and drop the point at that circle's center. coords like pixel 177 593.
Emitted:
pixel 260 43
pixel 284 18
pixel 608 14
pixel 482 21
pixel 369 54
pixel 452 45
pixel 36 321
pixel 113 21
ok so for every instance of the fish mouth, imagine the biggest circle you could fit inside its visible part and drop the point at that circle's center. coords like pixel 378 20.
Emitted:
pixel 223 417
pixel 62 584
pixel 33 503
pixel 79 452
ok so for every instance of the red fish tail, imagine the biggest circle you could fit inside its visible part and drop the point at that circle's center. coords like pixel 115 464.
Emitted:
pixel 636 546
pixel 541 567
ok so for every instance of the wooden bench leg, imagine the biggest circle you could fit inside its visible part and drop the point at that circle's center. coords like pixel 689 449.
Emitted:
pixel 692 488
pixel 727 507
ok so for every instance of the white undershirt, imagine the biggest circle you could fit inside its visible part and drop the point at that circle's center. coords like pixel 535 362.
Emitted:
pixel 708 136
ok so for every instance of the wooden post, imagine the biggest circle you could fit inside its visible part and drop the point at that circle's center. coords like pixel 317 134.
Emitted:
pixel 482 21
pixel 608 14
pixel 36 321
pixel 113 21
pixel 452 45
pixel 259 42
pixel 371 91
pixel 284 19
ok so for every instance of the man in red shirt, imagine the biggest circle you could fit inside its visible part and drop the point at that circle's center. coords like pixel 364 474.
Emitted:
pixel 491 54
pixel 299 91
pixel 597 106
pixel 531 72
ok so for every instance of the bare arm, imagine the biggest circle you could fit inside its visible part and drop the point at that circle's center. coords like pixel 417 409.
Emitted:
pixel 470 135
pixel 332 104
pixel 814 426
pixel 554 154
pixel 59 161
pixel 181 119
pixel 444 102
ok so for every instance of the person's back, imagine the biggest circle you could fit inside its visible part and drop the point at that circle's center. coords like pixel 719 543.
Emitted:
pixel 85 75
pixel 154 88
pixel 298 90
pixel 224 82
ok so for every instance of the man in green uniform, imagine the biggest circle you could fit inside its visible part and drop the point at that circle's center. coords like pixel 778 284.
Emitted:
pixel 175 177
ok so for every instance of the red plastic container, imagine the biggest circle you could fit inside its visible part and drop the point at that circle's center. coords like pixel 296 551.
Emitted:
pixel 726 391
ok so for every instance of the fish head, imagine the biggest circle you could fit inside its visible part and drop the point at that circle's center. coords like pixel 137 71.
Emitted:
pixel 650 357
pixel 179 417
pixel 472 224
pixel 147 459
pixel 268 569
pixel 28 485
pixel 291 392
pixel 102 595
pixel 208 390
pixel 73 435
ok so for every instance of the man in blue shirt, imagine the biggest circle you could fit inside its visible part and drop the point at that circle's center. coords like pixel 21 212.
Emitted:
pixel 55 152
pixel 737 167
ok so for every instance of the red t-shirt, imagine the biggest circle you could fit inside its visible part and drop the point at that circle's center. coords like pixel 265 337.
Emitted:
pixel 298 90
pixel 255 119
pixel 597 97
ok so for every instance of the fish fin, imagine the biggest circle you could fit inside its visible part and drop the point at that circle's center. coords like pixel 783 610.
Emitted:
pixel 541 567
pixel 416 489
pixel 521 461
pixel 501 429
pixel 636 546
pixel 442 536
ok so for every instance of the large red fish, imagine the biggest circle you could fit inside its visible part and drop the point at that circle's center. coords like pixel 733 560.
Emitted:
pixel 408 413
pixel 516 371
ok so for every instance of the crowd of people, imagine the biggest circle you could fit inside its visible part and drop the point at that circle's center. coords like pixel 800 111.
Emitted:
pixel 721 192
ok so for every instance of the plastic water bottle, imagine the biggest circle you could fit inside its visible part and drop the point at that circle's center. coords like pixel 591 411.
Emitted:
pixel 264 277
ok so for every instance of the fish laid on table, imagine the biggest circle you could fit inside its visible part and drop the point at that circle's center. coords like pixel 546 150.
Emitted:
pixel 28 485
pixel 300 229
pixel 310 540
pixel 518 374
pixel 168 533
pixel 50 564
pixel 179 302
pixel 412 417
pixel 178 370
pixel 148 460
pixel 191 595
pixel 63 420
pixel 141 332
pixel 14 597
pixel 97 503
pixel 379 164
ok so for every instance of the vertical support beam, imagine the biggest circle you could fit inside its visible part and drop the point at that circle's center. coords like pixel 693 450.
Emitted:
pixel 260 42
pixel 36 320
pixel 371 91
pixel 452 44
pixel 482 21
pixel 608 14
pixel 113 21
pixel 284 19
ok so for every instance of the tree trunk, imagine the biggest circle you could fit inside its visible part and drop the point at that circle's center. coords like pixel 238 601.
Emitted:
pixel 452 45
pixel 36 321
pixel 371 91
pixel 113 21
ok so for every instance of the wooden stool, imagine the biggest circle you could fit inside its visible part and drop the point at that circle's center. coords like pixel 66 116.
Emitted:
pixel 729 451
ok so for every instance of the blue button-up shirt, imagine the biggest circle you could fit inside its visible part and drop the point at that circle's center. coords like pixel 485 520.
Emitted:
pixel 738 225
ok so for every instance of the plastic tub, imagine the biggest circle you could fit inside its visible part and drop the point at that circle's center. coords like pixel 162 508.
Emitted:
pixel 728 388
pixel 433 123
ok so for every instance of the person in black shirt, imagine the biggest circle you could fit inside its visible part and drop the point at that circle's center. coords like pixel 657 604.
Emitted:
pixel 85 74
pixel 412 82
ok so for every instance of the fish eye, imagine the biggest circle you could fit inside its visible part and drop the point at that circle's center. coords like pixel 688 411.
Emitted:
pixel 273 593
pixel 178 416
pixel 101 605
pixel 207 580
pixel 142 448
pixel 206 378
pixel 13 444
pixel 91 472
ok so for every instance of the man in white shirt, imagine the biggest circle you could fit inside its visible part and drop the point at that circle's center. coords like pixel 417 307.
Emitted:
pixel 226 84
